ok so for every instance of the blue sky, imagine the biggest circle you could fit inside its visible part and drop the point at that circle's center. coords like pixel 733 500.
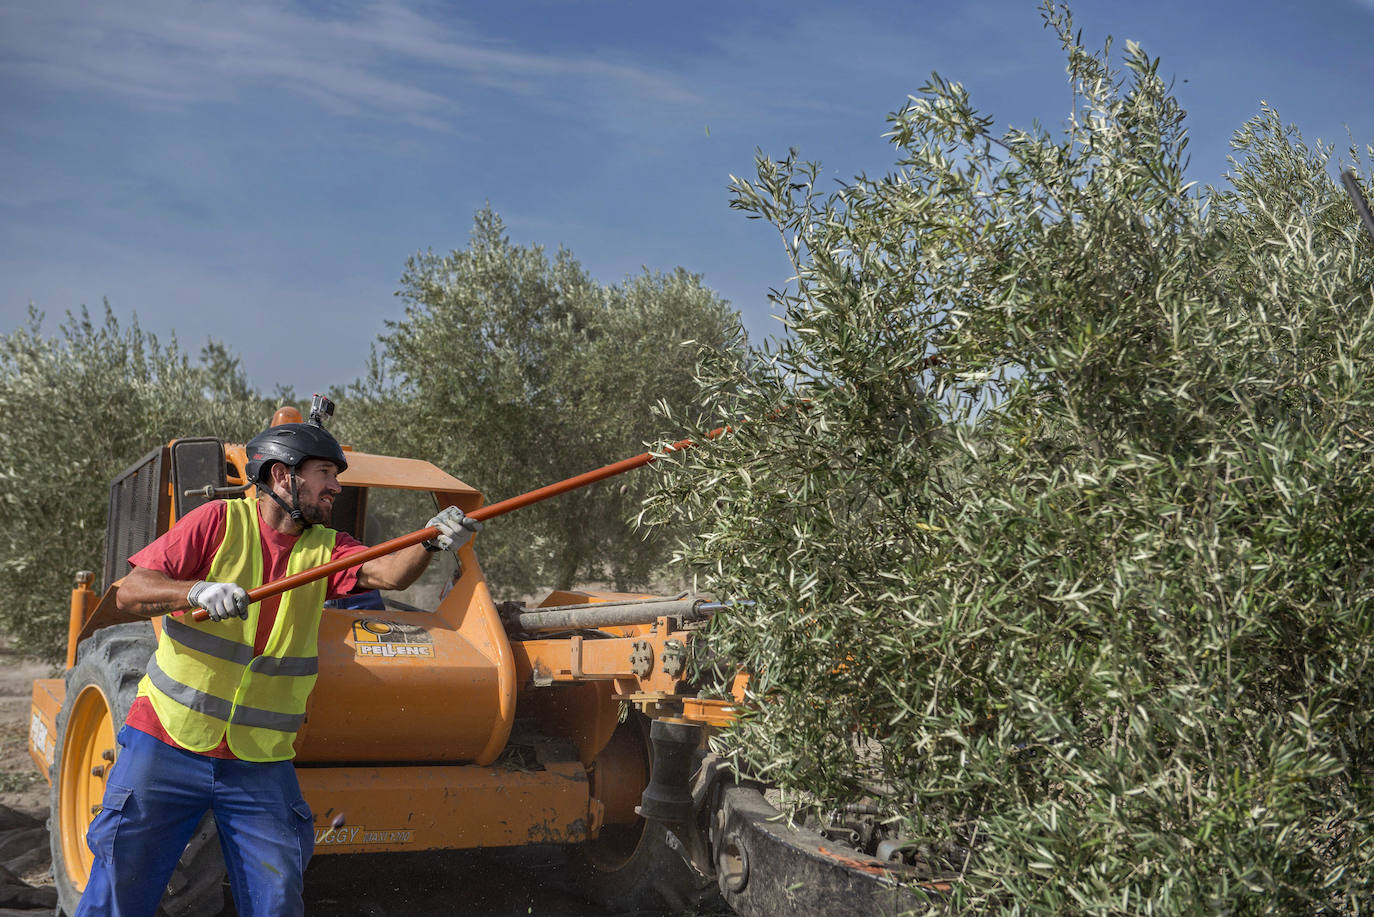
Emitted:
pixel 258 171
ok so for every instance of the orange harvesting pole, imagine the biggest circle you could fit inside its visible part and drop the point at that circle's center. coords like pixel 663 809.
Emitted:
pixel 582 480
pixel 287 583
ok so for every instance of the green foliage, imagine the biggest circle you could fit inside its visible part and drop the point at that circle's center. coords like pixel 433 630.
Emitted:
pixel 1055 506
pixel 78 408
pixel 515 371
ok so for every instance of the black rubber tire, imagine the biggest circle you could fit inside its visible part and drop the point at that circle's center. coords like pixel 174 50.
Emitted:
pixel 114 659
pixel 643 867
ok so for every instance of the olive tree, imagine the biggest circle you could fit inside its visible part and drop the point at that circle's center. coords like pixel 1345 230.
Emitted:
pixel 514 370
pixel 77 408
pixel 1055 507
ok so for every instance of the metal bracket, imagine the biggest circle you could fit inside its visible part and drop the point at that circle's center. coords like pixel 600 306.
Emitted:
pixel 575 656
pixel 642 658
pixel 674 658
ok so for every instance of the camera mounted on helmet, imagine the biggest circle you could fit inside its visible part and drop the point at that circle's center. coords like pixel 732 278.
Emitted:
pixel 321 409
pixel 291 444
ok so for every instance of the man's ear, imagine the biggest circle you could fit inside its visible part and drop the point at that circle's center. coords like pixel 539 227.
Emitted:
pixel 280 474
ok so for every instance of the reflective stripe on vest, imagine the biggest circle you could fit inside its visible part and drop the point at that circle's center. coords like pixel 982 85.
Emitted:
pixel 204 681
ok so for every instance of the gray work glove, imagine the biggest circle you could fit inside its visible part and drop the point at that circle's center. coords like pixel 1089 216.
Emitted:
pixel 455 529
pixel 222 600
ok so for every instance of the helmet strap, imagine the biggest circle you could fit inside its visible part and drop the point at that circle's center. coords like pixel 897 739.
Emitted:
pixel 294 508
pixel 297 516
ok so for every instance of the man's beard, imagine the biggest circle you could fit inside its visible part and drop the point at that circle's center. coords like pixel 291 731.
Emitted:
pixel 317 513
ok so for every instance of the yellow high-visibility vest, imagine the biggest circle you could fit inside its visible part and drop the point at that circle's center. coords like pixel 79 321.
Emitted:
pixel 204 681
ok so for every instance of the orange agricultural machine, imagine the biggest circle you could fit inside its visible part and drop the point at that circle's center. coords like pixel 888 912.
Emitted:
pixel 443 719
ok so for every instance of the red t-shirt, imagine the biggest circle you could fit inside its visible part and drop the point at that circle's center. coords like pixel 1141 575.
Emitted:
pixel 185 553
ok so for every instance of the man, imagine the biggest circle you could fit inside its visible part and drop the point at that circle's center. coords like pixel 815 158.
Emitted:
pixel 215 718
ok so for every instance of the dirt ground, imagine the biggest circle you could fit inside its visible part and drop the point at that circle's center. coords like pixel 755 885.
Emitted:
pixel 22 787
pixel 497 883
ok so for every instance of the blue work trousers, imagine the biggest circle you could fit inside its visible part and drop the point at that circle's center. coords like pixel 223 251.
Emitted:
pixel 155 797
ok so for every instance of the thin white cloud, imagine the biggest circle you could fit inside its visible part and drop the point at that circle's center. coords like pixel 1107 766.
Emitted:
pixel 379 59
